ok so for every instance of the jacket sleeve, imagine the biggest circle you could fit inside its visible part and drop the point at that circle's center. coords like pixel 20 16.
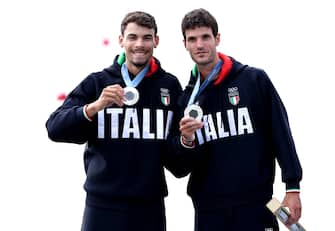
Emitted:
pixel 282 140
pixel 178 159
pixel 68 123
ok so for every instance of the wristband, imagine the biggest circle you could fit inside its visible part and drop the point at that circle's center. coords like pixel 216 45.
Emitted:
pixel 186 143
pixel 86 114
pixel 189 140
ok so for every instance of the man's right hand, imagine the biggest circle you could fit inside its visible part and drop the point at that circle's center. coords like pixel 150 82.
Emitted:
pixel 188 126
pixel 112 94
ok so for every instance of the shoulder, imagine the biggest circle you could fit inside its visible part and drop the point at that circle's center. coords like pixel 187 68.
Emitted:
pixel 94 78
pixel 255 71
pixel 109 74
pixel 255 74
pixel 168 78
pixel 171 77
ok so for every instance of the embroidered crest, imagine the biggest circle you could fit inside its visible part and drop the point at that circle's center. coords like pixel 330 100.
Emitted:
pixel 233 95
pixel 165 96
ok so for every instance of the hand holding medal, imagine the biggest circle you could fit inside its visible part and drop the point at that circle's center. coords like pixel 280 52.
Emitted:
pixel 187 127
pixel 193 109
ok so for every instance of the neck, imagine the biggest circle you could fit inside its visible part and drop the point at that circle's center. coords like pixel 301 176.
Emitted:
pixel 207 68
pixel 135 69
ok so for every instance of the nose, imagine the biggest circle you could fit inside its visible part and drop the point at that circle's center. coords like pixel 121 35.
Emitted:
pixel 199 43
pixel 139 42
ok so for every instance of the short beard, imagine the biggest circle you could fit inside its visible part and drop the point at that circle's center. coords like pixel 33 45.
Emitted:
pixel 204 62
pixel 139 65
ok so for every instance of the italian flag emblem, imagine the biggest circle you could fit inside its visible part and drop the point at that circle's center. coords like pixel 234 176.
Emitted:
pixel 165 96
pixel 234 99
pixel 233 96
pixel 165 100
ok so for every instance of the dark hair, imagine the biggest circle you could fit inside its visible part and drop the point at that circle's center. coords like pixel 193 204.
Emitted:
pixel 199 18
pixel 140 18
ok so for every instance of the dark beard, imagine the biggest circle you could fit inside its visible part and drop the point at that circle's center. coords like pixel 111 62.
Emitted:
pixel 139 65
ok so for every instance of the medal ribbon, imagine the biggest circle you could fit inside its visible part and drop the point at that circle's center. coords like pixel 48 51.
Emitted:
pixel 197 90
pixel 138 78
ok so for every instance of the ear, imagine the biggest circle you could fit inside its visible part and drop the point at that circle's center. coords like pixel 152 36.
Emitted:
pixel 121 40
pixel 217 39
pixel 185 45
pixel 156 41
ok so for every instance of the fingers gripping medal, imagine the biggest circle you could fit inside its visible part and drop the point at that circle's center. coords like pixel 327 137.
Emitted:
pixel 194 110
pixel 131 94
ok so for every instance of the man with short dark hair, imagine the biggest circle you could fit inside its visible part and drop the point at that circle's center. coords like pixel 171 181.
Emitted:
pixel 242 130
pixel 123 114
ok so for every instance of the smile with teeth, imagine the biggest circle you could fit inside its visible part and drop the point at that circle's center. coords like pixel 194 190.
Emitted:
pixel 139 52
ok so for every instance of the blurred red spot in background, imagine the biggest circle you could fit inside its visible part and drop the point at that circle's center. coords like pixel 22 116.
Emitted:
pixel 105 42
pixel 61 96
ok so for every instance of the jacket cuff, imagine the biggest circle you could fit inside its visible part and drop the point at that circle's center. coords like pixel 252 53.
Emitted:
pixel 293 186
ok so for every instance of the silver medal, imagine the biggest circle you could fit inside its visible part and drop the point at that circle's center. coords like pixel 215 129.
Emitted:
pixel 131 95
pixel 194 111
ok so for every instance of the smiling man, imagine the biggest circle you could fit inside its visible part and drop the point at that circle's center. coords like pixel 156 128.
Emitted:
pixel 123 114
pixel 243 131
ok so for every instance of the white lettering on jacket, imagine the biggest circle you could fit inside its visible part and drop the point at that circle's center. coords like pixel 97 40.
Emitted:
pixel 220 126
pixel 134 123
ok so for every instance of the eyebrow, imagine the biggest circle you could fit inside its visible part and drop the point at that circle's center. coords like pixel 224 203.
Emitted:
pixel 145 35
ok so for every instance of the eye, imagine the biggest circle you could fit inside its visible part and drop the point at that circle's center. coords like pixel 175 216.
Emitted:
pixel 191 39
pixel 147 38
pixel 206 37
pixel 131 37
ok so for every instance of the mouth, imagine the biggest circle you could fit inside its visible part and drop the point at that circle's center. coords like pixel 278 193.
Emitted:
pixel 201 53
pixel 139 52
pixel 139 58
